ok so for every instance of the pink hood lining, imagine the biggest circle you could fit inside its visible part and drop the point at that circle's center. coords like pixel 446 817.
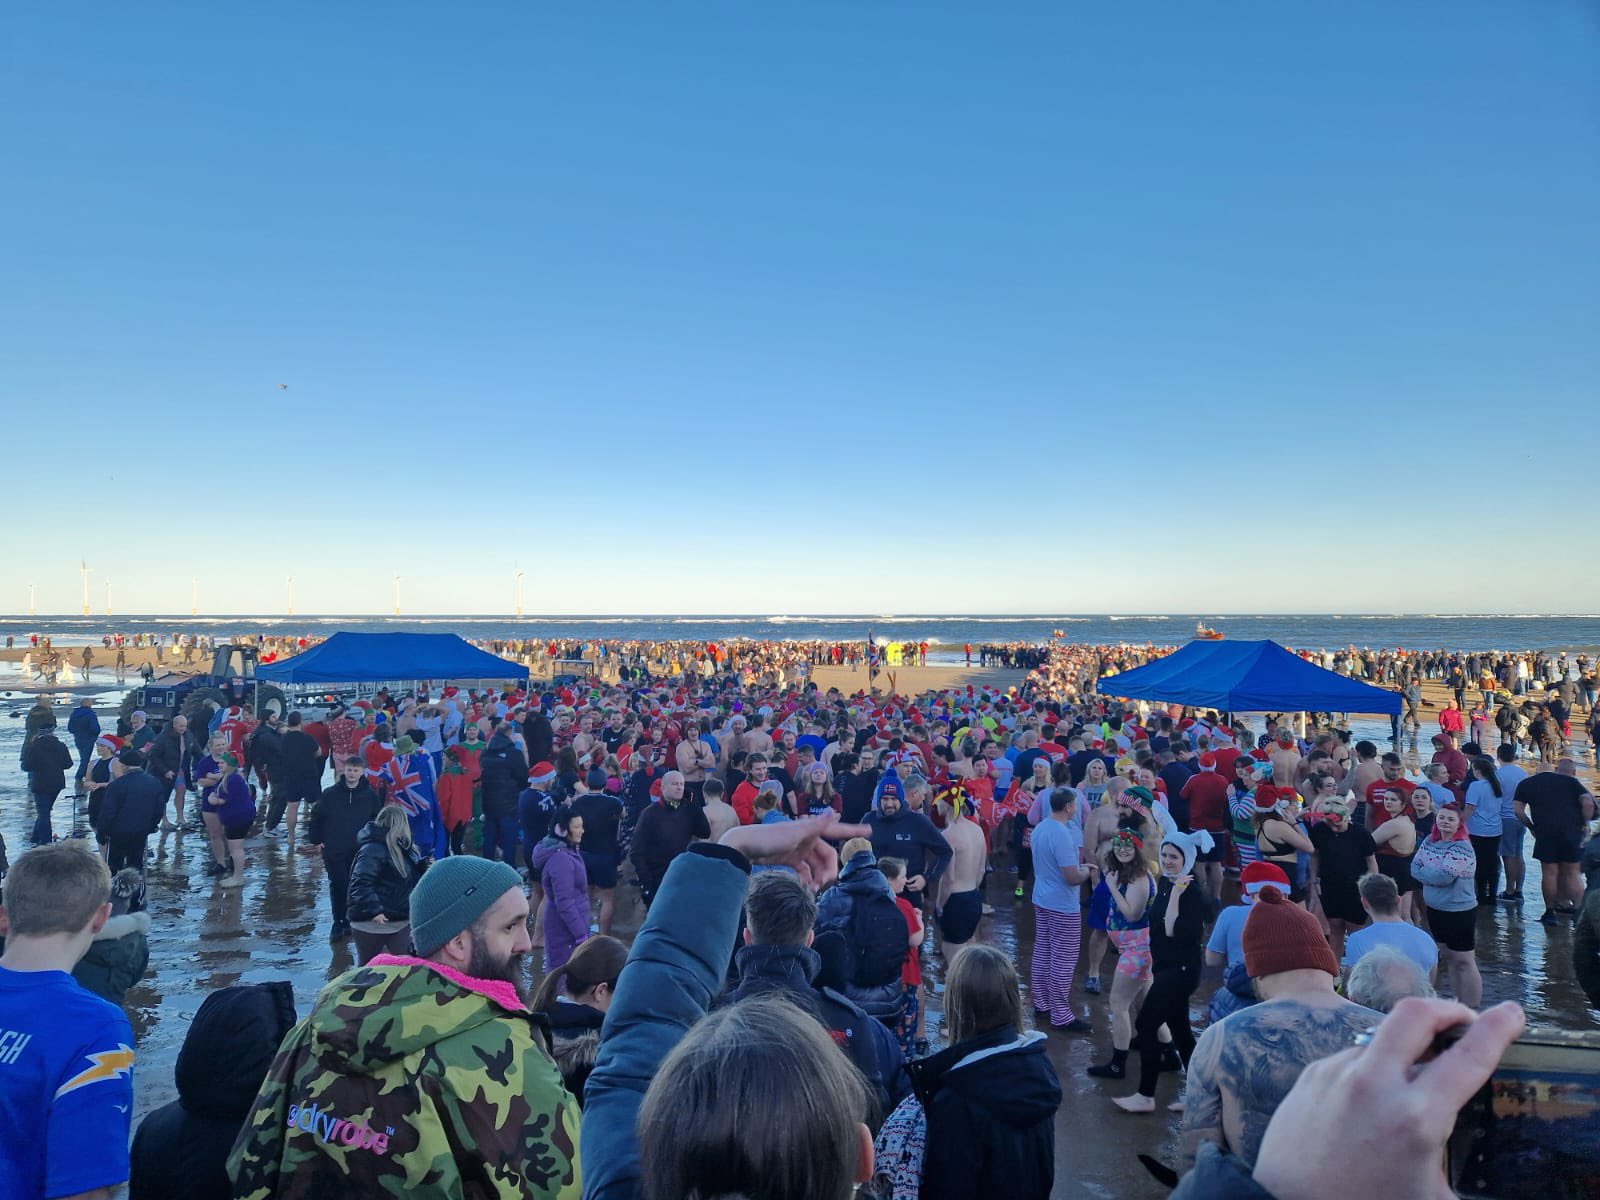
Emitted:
pixel 497 990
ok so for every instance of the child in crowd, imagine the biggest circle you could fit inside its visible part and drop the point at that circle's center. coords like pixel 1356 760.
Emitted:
pixel 909 1027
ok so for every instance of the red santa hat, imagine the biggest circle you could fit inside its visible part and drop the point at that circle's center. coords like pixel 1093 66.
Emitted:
pixel 1263 874
pixel 109 741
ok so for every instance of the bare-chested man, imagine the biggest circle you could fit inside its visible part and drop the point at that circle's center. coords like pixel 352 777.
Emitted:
pixel 733 741
pixel 959 902
pixel 584 740
pixel 719 813
pixel 757 740
pixel 696 760
pixel 1284 755
pixel 1367 771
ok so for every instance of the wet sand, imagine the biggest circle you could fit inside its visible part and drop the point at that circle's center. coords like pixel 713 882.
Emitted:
pixel 276 927
pixel 911 681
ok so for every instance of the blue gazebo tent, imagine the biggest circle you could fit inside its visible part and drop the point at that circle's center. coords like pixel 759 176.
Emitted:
pixel 1240 677
pixel 383 657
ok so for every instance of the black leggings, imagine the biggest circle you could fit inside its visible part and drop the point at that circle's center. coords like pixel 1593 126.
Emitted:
pixel 1166 1003
pixel 1488 877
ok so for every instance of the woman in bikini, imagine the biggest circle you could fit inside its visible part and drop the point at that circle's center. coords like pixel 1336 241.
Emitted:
pixel 1130 878
pixel 1279 841
pixel 1397 842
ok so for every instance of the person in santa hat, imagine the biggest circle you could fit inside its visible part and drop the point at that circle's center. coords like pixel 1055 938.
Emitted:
pixel 106 747
pixel 1206 795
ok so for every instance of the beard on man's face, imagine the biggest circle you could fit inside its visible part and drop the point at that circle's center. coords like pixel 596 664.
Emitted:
pixel 484 965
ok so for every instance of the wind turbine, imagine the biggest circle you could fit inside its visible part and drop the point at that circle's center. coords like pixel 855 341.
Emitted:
pixel 108 597
pixel 519 594
pixel 194 597
pixel 83 569
pixel 291 595
pixel 31 612
pixel 397 595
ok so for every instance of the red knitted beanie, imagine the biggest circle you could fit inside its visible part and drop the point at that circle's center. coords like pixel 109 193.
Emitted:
pixel 1280 936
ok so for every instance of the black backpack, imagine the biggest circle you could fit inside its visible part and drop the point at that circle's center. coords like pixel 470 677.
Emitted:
pixel 878 939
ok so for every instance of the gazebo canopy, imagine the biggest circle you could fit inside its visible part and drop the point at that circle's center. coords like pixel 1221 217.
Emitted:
pixel 380 657
pixel 1259 676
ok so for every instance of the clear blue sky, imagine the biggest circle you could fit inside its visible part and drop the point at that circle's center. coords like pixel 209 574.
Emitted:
pixel 803 307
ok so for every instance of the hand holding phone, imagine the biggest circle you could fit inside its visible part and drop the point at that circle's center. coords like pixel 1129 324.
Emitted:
pixel 1390 1100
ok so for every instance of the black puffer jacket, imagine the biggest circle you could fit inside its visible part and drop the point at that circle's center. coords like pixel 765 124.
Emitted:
pixel 991 1107
pixel 375 886
pixel 339 816
pixel 504 773
pixel 180 1149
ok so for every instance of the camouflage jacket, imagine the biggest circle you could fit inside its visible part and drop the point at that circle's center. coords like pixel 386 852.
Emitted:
pixel 410 1080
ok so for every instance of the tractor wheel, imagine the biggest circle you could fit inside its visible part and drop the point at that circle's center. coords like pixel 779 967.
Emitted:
pixel 270 699
pixel 199 716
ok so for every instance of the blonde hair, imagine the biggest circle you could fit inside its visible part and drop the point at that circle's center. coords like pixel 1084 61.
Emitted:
pixel 396 828
pixel 854 847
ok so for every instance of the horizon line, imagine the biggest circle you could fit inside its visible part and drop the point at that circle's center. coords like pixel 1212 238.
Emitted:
pixel 530 617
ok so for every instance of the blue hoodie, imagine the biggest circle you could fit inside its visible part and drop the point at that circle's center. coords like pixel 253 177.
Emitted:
pixel 909 836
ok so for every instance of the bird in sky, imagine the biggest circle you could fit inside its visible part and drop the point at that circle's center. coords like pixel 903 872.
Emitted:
pixel 283 387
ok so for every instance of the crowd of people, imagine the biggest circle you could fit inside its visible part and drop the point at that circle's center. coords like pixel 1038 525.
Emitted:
pixel 810 861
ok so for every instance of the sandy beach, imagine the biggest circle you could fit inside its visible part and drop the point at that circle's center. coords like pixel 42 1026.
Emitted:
pixel 909 681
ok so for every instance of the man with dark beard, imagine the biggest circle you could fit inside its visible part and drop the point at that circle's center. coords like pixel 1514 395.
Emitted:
pixel 423 1071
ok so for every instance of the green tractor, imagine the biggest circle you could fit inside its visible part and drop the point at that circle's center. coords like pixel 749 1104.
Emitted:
pixel 232 680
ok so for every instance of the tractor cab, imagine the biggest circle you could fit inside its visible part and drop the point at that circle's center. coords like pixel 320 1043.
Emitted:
pixel 233 672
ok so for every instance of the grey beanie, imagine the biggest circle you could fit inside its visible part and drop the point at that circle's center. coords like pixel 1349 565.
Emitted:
pixel 452 894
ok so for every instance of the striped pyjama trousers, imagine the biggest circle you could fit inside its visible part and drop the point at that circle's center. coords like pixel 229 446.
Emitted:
pixel 1056 940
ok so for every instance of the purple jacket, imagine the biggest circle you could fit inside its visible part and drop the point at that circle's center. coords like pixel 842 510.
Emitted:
pixel 237 807
pixel 566 887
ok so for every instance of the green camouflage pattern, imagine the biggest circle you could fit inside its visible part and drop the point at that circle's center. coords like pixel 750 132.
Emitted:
pixel 404 1083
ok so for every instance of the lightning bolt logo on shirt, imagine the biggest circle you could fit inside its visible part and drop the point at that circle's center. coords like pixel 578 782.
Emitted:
pixel 108 1064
